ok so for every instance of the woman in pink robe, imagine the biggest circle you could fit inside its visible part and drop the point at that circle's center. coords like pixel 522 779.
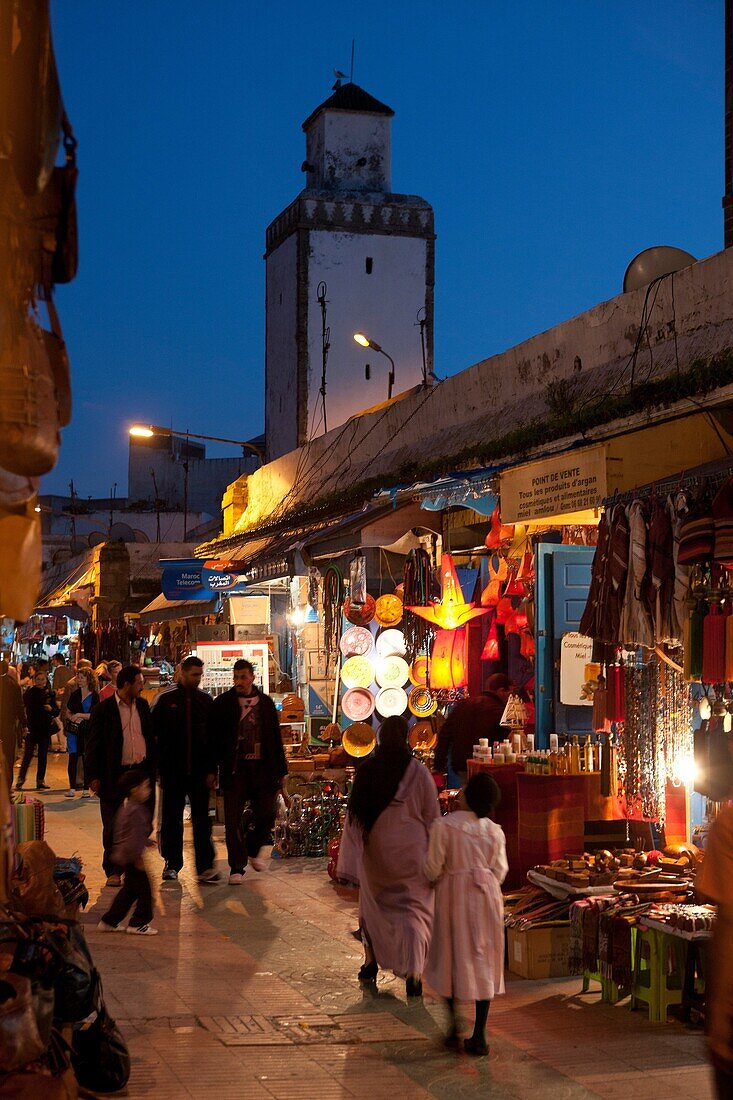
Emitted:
pixel 467 861
pixel 394 802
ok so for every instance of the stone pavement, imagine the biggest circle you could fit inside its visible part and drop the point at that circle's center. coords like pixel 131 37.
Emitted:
pixel 251 992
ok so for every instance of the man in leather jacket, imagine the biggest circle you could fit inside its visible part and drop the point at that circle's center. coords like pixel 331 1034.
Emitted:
pixel 187 767
pixel 252 765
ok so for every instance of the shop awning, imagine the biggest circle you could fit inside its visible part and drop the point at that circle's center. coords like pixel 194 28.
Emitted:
pixel 70 610
pixel 161 610
pixel 61 588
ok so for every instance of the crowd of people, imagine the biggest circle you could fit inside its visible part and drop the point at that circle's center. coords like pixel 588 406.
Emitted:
pixel 430 899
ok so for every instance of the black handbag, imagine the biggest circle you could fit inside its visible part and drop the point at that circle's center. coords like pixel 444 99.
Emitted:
pixel 99 1054
pixel 74 984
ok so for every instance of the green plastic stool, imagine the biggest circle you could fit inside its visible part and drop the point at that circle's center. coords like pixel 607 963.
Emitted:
pixel 650 984
pixel 609 990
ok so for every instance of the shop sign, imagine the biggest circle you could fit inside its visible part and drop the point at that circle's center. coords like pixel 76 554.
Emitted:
pixel 578 671
pixel 195 579
pixel 572 482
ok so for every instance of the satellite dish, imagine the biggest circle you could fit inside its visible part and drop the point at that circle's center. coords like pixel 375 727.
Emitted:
pixel 140 536
pixel 96 538
pixel 650 264
pixel 120 532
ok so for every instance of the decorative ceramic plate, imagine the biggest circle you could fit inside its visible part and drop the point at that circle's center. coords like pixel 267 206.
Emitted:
pixel 360 615
pixel 419 672
pixel 391 701
pixel 390 643
pixel 357 641
pixel 423 736
pixel 359 739
pixel 389 610
pixel 358 704
pixel 422 702
pixel 392 671
pixel 357 672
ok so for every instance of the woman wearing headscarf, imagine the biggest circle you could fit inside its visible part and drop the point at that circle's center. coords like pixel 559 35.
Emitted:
pixel 393 804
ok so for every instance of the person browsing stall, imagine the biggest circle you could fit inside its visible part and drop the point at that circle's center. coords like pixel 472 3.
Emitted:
pixel 252 766
pixel 470 720
pixel 41 711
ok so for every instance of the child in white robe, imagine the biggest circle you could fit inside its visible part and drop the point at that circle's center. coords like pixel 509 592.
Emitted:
pixel 467 863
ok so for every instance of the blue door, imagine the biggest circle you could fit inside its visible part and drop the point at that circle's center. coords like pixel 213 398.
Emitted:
pixel 563 580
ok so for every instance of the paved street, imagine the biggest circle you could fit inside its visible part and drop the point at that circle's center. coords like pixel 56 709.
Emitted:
pixel 251 992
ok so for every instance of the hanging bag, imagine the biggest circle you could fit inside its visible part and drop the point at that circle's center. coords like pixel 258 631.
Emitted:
pixel 99 1054
pixel 20 1041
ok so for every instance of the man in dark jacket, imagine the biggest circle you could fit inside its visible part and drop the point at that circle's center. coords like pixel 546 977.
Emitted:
pixel 187 766
pixel 251 767
pixel 470 720
pixel 119 738
pixel 40 710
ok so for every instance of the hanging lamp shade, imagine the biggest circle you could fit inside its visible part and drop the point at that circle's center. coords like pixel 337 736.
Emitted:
pixel 448 666
pixel 452 611
pixel 491 651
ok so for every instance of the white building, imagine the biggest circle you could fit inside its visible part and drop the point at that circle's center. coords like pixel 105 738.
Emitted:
pixel 368 253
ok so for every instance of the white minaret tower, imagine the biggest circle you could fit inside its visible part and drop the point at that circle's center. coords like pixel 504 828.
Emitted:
pixel 365 256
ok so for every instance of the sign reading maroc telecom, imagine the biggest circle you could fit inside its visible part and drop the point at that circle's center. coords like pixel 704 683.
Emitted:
pixel 571 482
pixel 196 579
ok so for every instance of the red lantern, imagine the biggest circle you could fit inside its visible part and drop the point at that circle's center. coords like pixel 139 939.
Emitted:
pixel 448 668
pixel 491 647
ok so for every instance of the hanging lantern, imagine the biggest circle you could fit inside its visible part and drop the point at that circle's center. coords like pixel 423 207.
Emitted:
pixel 448 668
pixel 490 651
pixel 452 611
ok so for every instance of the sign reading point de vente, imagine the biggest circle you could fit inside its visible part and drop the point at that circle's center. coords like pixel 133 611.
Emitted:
pixel 571 482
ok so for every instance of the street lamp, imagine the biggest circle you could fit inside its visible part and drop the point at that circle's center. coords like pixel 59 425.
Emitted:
pixel 147 431
pixel 367 343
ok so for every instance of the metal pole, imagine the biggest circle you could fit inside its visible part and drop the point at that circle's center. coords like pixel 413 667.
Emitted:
pixel 728 128
pixel 185 492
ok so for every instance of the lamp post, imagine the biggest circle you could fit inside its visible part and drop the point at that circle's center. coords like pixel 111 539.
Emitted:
pixel 147 431
pixel 367 343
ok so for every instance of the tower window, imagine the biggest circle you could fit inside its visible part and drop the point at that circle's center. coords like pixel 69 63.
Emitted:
pixel 369 265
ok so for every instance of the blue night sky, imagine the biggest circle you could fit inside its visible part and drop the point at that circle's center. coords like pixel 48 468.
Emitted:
pixel 554 140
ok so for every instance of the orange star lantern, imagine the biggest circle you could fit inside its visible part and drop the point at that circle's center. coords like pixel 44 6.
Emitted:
pixel 452 611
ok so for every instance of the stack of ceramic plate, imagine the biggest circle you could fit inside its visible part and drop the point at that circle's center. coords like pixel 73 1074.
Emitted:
pixel 357 672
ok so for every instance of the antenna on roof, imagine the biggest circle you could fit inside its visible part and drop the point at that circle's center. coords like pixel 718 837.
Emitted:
pixel 351 70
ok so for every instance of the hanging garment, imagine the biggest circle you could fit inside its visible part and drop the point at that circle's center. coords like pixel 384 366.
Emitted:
pixel 722 510
pixel 616 693
pixel 729 648
pixel 678 510
pixel 590 620
pixel 636 623
pixel 695 646
pixel 660 574
pixel 618 568
pixel 713 646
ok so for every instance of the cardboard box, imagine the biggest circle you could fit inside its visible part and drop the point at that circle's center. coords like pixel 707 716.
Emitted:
pixel 540 952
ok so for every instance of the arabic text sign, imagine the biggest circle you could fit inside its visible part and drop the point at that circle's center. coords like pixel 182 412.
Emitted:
pixel 571 482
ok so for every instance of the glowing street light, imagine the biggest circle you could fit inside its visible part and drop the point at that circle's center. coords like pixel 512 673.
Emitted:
pixel 366 342
pixel 147 431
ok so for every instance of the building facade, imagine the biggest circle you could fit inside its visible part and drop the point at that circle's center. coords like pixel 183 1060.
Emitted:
pixel 348 255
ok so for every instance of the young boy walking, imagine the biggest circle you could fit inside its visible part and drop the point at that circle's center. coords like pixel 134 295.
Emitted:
pixel 131 836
